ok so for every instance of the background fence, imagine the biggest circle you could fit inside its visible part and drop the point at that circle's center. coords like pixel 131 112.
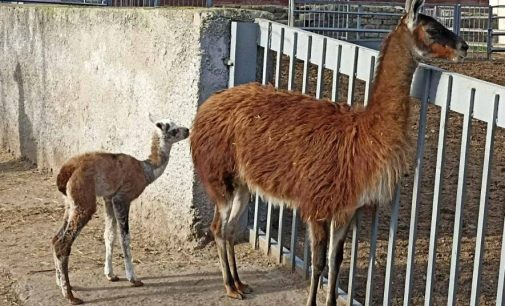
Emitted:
pixel 338 70
pixel 367 23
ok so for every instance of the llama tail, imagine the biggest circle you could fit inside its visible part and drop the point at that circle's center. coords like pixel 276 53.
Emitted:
pixel 65 174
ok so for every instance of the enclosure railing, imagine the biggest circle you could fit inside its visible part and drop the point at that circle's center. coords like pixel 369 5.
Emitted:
pixel 448 91
pixel 493 34
pixel 363 21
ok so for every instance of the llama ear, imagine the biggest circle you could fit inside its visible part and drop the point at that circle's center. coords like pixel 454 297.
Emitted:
pixel 159 125
pixel 152 118
pixel 412 9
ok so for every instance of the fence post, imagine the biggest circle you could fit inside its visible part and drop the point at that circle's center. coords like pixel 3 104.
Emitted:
pixel 208 3
pixel 358 21
pixel 457 19
pixel 489 32
pixel 242 63
pixel 291 13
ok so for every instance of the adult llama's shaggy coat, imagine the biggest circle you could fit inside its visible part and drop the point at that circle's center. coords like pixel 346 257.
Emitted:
pixel 325 159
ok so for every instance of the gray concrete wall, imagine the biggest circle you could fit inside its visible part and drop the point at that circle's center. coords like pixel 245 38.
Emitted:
pixel 76 79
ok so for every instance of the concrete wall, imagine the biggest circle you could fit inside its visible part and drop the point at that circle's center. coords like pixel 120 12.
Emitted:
pixel 76 79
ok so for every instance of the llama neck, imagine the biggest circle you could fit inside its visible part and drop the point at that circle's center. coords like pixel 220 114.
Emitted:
pixel 391 88
pixel 158 159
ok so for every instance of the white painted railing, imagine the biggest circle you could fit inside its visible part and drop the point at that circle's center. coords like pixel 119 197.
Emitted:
pixel 473 98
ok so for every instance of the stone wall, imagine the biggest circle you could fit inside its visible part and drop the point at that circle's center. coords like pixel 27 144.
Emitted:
pixel 77 79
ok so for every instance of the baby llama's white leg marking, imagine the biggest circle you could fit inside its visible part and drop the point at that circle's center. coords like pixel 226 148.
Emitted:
pixel 130 273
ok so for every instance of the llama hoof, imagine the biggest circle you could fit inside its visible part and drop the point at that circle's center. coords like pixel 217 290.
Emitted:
pixel 137 283
pixel 234 293
pixel 243 288
pixel 113 278
pixel 75 301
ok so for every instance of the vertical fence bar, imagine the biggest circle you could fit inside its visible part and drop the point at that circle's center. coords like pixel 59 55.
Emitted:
pixel 320 72
pixel 489 32
pixel 437 194
pixel 358 22
pixel 484 192
pixel 266 58
pixel 256 219
pixel 375 215
pixel 369 82
pixel 269 226
pixel 294 234
pixel 336 76
pixel 417 188
pixel 352 78
pixel 500 294
pixel 354 256
pixel 460 200
pixel 393 225
pixel 306 254
pixel 457 19
pixel 280 233
pixel 243 53
pixel 306 64
pixel 292 61
pixel 279 59
pixel 371 258
pixel 291 13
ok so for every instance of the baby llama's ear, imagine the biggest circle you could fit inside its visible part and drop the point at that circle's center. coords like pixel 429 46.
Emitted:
pixel 412 9
pixel 159 125
pixel 152 118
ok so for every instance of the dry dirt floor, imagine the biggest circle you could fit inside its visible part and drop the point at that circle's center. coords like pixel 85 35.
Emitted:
pixel 30 213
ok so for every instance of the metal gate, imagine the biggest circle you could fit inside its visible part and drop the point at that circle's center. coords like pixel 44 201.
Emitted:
pixel 367 23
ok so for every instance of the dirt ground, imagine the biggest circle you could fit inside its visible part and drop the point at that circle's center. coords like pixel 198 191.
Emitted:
pixel 30 213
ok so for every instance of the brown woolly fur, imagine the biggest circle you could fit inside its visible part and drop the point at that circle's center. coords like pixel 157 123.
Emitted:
pixel 325 159
pixel 119 179
pixel 154 157
pixel 316 155
pixel 63 177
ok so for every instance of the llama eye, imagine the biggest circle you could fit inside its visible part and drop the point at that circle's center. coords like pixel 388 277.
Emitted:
pixel 173 132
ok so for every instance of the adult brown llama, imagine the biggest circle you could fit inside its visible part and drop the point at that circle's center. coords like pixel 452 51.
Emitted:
pixel 119 179
pixel 325 159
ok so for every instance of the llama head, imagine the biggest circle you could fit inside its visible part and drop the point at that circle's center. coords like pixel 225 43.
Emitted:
pixel 431 38
pixel 168 131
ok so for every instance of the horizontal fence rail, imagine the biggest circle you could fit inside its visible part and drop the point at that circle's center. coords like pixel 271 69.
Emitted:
pixel 473 98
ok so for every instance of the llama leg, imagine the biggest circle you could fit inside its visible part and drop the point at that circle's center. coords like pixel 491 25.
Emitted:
pixel 62 247
pixel 58 236
pixel 109 236
pixel 335 257
pixel 218 229
pixel 121 211
pixel 319 242
pixel 240 201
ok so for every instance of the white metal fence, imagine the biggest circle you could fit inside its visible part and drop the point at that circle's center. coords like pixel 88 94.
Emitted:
pixel 448 92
